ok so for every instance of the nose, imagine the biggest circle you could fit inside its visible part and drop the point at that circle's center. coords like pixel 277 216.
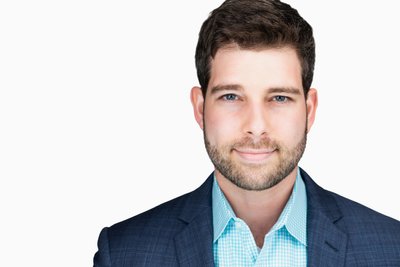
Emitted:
pixel 256 122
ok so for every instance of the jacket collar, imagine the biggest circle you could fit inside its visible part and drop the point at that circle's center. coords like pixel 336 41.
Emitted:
pixel 326 242
pixel 194 243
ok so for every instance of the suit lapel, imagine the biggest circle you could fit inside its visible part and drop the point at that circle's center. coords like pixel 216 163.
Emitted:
pixel 194 243
pixel 326 242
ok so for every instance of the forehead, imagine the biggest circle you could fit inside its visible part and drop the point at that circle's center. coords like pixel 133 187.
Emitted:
pixel 261 68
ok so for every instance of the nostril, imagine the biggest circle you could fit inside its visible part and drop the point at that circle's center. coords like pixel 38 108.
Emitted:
pixel 257 135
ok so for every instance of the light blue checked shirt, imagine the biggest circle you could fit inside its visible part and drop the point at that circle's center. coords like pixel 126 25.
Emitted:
pixel 284 245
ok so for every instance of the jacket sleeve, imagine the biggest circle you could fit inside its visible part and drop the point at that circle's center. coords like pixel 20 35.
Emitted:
pixel 102 256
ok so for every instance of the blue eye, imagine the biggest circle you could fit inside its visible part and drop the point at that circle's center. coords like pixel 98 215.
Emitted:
pixel 230 97
pixel 280 98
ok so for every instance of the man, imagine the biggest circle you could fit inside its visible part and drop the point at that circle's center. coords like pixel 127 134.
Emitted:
pixel 255 105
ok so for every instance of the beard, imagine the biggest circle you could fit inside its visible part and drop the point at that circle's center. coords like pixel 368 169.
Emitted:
pixel 256 177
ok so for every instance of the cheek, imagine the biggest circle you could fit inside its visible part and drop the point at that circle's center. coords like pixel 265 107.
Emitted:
pixel 220 128
pixel 289 127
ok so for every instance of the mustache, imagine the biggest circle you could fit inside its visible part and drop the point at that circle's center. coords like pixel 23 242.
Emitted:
pixel 248 142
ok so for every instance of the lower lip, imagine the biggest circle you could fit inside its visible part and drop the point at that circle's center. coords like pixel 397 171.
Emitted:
pixel 254 157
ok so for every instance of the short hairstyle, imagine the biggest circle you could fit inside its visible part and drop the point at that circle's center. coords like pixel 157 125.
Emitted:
pixel 255 24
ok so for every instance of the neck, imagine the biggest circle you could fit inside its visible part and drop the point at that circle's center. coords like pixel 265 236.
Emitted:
pixel 259 209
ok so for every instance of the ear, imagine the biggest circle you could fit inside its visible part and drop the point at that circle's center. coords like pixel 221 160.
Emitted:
pixel 196 96
pixel 311 104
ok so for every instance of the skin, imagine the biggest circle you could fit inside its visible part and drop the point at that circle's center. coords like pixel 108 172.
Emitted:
pixel 255 115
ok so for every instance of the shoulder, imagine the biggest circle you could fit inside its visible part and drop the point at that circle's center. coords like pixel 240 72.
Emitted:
pixel 372 236
pixel 361 219
pixel 164 221
pixel 355 215
pixel 131 241
pixel 149 238
pixel 363 226
pixel 143 225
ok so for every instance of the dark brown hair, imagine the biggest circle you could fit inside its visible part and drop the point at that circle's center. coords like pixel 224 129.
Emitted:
pixel 255 24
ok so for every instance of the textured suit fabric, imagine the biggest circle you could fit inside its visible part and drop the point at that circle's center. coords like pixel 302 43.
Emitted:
pixel 340 232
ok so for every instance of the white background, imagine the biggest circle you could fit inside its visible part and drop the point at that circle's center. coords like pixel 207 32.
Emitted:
pixel 96 123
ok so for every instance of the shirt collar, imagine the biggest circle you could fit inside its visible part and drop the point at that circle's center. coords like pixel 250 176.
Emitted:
pixel 296 222
pixel 222 211
pixel 293 216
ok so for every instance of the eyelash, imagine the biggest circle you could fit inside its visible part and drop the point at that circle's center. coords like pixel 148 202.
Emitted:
pixel 286 99
pixel 236 97
pixel 224 97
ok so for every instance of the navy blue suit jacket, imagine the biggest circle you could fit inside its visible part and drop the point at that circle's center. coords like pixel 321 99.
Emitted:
pixel 340 232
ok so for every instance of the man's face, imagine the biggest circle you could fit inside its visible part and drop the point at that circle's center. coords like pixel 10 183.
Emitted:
pixel 255 117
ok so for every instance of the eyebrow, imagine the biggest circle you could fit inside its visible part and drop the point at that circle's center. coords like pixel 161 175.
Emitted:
pixel 237 87
pixel 288 90
pixel 226 87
